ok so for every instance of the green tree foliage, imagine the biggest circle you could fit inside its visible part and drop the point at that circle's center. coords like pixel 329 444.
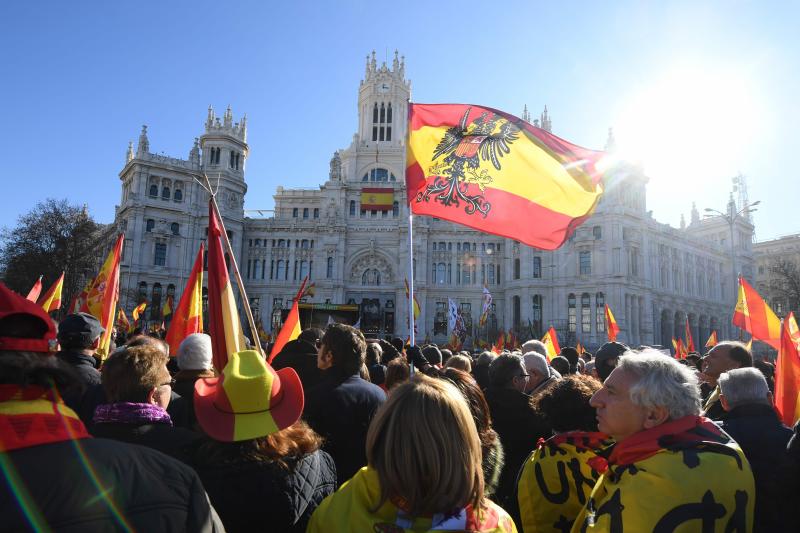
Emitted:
pixel 52 237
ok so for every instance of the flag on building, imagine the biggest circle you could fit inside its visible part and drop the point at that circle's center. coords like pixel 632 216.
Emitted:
pixel 122 321
pixel 753 315
pixel 550 341
pixel 611 325
pixel 712 339
pixel 166 309
pixel 35 291
pixel 483 168
pixel 787 373
pixel 377 199
pixel 51 300
pixel 188 317
pixel 138 311
pixel 103 295
pixel 291 327
pixel 223 316
pixel 486 306
pixel 689 339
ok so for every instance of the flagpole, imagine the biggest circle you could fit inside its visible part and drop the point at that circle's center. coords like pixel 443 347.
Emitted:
pixel 411 335
pixel 245 301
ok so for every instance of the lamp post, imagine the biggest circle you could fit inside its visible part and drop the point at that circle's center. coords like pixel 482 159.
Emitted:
pixel 731 217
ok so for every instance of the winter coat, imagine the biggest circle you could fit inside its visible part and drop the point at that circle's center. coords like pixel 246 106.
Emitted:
pixel 556 480
pixel 349 509
pixel 492 462
pixel 182 411
pixel 519 428
pixel 82 399
pixel 763 439
pixel 302 356
pixel 341 409
pixel 683 475
pixel 255 496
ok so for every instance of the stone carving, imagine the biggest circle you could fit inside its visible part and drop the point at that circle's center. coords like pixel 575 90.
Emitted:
pixel 371 261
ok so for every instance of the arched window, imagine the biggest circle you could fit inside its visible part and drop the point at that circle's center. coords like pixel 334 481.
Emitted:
pixel 352 208
pixel 441 273
pixel 178 196
pixel 142 291
pixel 150 224
pixel 375 114
pixel 600 312
pixel 371 277
pixel 304 244
pixel 586 313
pixel 153 190
pixel 175 228
pixel 572 313
pixel 515 311
pixel 281 271
pixel 165 193
pixel 305 212
pixel 329 268
pixel 389 116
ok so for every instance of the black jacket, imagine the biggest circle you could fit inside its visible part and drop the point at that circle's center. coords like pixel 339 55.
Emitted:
pixel 341 409
pixel 302 356
pixel 179 443
pixel 251 496
pixel 763 439
pixel 181 406
pixel 152 492
pixel 519 428
pixel 82 399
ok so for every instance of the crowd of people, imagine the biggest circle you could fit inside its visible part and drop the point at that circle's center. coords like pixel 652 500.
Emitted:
pixel 344 433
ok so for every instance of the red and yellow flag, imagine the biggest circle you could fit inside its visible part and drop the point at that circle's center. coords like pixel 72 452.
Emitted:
pixel 291 328
pixel 787 373
pixel 51 301
pixel 680 349
pixel 753 315
pixel 103 295
pixel 483 168
pixel 188 316
pixel 417 309
pixel 378 199
pixel 501 341
pixel 35 291
pixel 580 349
pixel 79 299
pixel 122 321
pixel 689 339
pixel 166 309
pixel 139 310
pixel 611 325
pixel 223 317
pixel 550 341
pixel 712 339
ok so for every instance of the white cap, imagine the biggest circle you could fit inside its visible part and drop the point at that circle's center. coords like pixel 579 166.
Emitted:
pixel 194 353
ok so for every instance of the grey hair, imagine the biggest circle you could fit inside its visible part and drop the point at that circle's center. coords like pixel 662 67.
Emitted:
pixel 661 382
pixel 534 345
pixel 744 385
pixel 194 352
pixel 536 361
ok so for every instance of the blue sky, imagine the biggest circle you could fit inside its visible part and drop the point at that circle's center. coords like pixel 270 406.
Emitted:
pixel 698 91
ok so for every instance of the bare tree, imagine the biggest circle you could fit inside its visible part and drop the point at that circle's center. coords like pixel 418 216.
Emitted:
pixel 788 277
pixel 53 237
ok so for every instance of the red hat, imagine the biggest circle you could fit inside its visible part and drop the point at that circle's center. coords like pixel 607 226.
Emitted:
pixel 41 336
pixel 249 400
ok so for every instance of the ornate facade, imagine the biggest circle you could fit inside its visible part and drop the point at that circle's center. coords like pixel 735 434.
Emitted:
pixel 357 253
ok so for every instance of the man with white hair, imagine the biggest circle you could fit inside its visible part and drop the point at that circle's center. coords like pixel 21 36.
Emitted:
pixel 670 469
pixel 539 371
pixel 753 423
pixel 194 362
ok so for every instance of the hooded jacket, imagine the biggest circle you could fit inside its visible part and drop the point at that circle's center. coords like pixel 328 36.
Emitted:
pixel 684 475
pixel 349 510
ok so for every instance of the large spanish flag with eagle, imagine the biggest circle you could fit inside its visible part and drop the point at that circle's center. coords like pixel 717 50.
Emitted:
pixel 496 173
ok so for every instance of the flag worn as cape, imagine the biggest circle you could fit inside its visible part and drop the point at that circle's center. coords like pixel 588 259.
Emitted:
pixel 51 300
pixel 35 291
pixel 188 317
pixel 753 315
pixel 103 295
pixel 787 373
pixel 223 317
pixel 483 168
pixel 611 325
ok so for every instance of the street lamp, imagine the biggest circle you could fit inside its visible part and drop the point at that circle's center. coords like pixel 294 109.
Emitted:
pixel 731 217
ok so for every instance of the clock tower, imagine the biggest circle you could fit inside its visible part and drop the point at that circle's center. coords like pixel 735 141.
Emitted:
pixel 383 104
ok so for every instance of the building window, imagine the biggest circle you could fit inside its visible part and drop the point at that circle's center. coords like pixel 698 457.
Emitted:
pixel 597 231
pixel 536 323
pixel 153 191
pixel 150 224
pixel 175 228
pixel 395 209
pixel 165 193
pixel 586 313
pixel 142 292
pixel 600 312
pixel 537 267
pixel 304 269
pixel 378 174
pixel 352 208
pixel 516 267
pixel 305 212
pixel 329 268
pixel 440 319
pixel 571 313
pixel 178 196
pixel 294 212
pixel 281 271
pixel 155 302
pixel 160 255
pixel 316 212
pixel 441 273
pixel 585 263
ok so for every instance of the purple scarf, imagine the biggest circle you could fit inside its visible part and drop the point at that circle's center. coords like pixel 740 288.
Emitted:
pixel 131 413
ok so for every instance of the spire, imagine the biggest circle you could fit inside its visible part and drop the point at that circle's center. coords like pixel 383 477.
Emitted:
pixel 683 222
pixel 611 142
pixel 545 118
pixel 129 154
pixel 228 118
pixel 402 67
pixel 144 143
pixel 366 69
pixel 336 167
pixel 695 214
pixel 194 153
pixel 211 117
pixel 373 64
pixel 395 62
pixel 243 127
pixel 526 116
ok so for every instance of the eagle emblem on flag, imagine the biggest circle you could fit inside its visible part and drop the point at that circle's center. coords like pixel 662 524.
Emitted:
pixel 460 153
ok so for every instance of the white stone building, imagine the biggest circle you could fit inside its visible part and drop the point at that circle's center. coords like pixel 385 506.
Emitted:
pixel 652 275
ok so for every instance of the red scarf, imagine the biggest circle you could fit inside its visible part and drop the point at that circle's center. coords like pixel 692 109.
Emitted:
pixel 30 416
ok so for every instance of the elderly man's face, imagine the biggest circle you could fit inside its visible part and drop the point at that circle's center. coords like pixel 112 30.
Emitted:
pixel 617 415
pixel 718 361
pixel 534 378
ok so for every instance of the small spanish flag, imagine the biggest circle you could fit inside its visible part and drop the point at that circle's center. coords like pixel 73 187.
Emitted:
pixel 712 339
pixel 611 325
pixel 550 341
pixel 35 291
pixel 291 328
pixel 378 199
pixel 51 301
pixel 138 310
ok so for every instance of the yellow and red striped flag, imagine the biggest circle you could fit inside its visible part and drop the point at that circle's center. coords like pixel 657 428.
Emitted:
pixel 35 291
pixel 712 339
pixel 166 309
pixel 550 341
pixel 689 339
pixel 378 199
pixel 753 315
pixel 51 301
pixel 123 322
pixel 139 310
pixel 483 168
pixel 291 328
pixel 103 295
pixel 188 317
pixel 223 317
pixel 680 349
pixel 787 373
pixel 611 325
pixel 501 341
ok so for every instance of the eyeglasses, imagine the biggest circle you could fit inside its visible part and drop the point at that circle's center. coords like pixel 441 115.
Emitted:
pixel 524 376
pixel 171 383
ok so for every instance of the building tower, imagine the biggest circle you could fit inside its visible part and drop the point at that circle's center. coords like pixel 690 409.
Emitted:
pixel 383 103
